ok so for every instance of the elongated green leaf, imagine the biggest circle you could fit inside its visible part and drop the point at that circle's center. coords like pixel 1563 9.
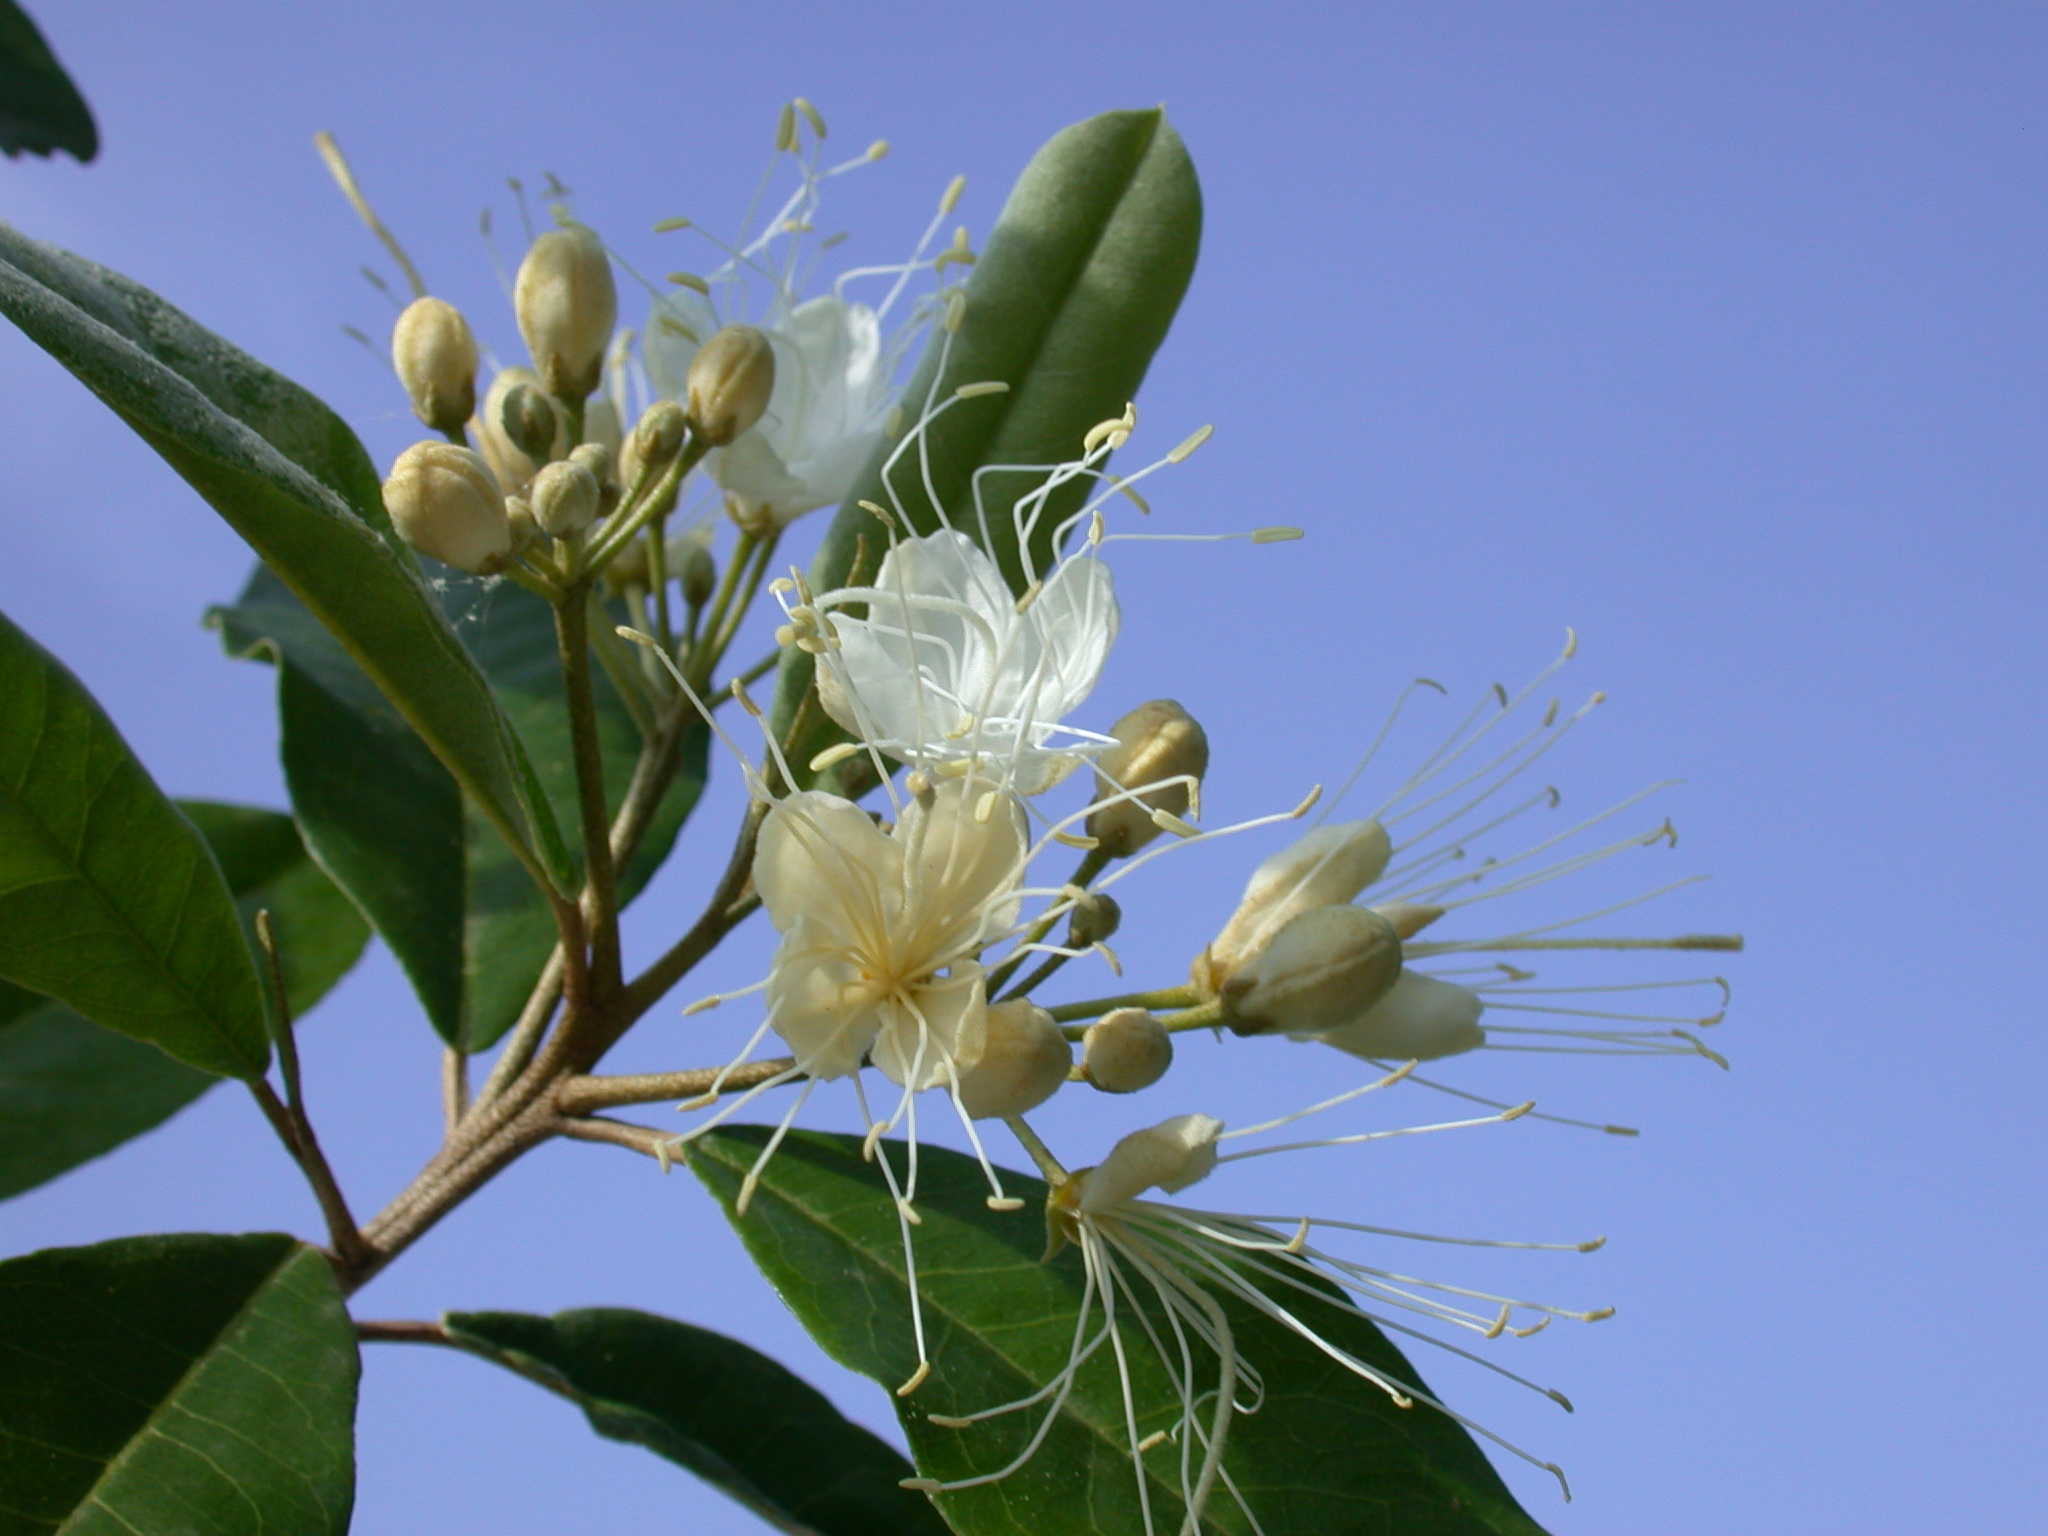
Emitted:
pixel 187 1383
pixel 40 109
pixel 471 932
pixel 1324 1452
pixel 70 1090
pixel 289 478
pixel 1069 300
pixel 711 1404
pixel 109 900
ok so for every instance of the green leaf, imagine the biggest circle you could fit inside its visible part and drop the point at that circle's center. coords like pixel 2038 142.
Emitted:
pixel 109 900
pixel 40 109
pixel 289 477
pixel 1325 1452
pixel 70 1090
pixel 1069 300
pixel 711 1404
pixel 187 1383
pixel 471 932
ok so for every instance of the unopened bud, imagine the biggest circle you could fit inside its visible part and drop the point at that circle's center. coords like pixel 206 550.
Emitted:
pixel 1094 920
pixel 510 462
pixel 1170 1156
pixel 525 527
pixel 1155 741
pixel 1408 917
pixel 564 498
pixel 1125 1051
pixel 731 379
pixel 1329 964
pixel 1024 1059
pixel 601 459
pixel 1419 1019
pixel 567 305
pixel 529 421
pixel 444 503
pixel 435 356
pixel 657 438
pixel 699 572
pixel 1327 867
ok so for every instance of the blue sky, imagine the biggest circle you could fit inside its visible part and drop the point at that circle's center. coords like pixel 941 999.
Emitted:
pixel 1713 332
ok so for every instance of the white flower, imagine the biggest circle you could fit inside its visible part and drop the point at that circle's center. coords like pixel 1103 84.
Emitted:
pixel 945 669
pixel 1173 1266
pixel 838 361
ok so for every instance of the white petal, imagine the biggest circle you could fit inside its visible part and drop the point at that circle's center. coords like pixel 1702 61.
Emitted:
pixel 681 322
pixel 751 469
pixel 818 1009
pixel 823 858
pixel 1419 1019
pixel 1074 622
pixel 960 863
pixel 1171 1155
pixel 949 1020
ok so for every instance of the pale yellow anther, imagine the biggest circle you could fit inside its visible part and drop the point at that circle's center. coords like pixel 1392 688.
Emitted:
pixel 910 1215
pixel 985 807
pixel 1110 958
pixel 1157 1437
pixel 944 1421
pixel 917 1379
pixel 956 310
pixel 880 513
pixel 746 702
pixel 1518 1111
pixel 1571 643
pixel 1300 1239
pixel 985 387
pixel 690 280
pixel 781 585
pixel 1074 840
pixel 951 199
pixel 953 768
pixel 691 1106
pixel 892 424
pixel 669 226
pixel 1166 821
pixel 1116 431
pixel 1193 441
pixel 1532 1329
pixel 1030 596
pixel 1275 535
pixel 1593 1245
pixel 1598 1314
pixel 1131 491
pixel 811 116
pixel 785 634
pixel 925 1484
pixel 878 149
pixel 785 128
pixel 835 754
pixel 1500 1324
pixel 1307 803
pixel 704 1004
pixel 1097 529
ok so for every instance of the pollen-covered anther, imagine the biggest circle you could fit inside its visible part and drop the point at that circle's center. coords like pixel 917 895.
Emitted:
pixel 917 1379
pixel 1116 431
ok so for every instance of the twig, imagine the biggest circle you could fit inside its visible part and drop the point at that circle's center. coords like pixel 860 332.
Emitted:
pixel 618 1133
pixel 573 637
pixel 580 1095
pixel 401 1332
pixel 454 1087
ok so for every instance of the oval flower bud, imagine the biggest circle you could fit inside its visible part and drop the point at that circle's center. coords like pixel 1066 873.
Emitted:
pixel 1419 1019
pixel 1094 920
pixel 444 503
pixel 525 528
pixel 567 304
pixel 1024 1059
pixel 511 463
pixel 529 421
pixel 1125 1050
pixel 435 355
pixel 699 572
pixel 655 439
pixel 601 459
pixel 1328 965
pixel 564 498
pixel 1326 868
pixel 1170 1155
pixel 1155 741
pixel 730 381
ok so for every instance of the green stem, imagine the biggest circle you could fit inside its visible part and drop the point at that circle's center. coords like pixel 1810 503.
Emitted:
pixel 1164 997
pixel 728 584
pixel 1091 865
pixel 1041 1154
pixel 657 577
pixel 600 878
pixel 623 670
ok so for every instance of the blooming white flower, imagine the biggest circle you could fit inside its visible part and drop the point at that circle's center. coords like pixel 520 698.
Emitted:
pixel 1155 1272
pixel 838 361
pixel 949 671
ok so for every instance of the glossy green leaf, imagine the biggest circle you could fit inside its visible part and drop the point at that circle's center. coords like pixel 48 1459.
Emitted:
pixel 290 478
pixel 711 1404
pixel 109 900
pixel 187 1383
pixel 1324 1453
pixel 471 932
pixel 1069 300
pixel 70 1090
pixel 40 109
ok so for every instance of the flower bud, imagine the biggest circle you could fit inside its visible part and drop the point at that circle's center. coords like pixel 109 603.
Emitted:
pixel 1170 1155
pixel 1326 868
pixel 1419 1019
pixel 1408 917
pixel 435 356
pixel 445 504
pixel 512 464
pixel 1155 741
pixel 525 527
pixel 564 498
pixel 730 380
pixel 657 438
pixel 1329 964
pixel 566 304
pixel 699 572
pixel 1024 1059
pixel 1125 1051
pixel 529 421
pixel 601 459
pixel 1094 920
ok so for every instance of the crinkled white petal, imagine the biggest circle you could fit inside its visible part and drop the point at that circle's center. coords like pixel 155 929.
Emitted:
pixel 818 1005
pixel 1170 1156
pixel 1421 1018
pixel 822 857
pixel 964 850
pixel 947 1016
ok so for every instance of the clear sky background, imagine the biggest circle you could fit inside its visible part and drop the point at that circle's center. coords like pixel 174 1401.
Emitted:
pixel 1714 331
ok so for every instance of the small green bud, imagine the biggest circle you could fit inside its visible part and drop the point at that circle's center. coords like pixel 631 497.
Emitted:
pixel 435 355
pixel 1095 918
pixel 529 421
pixel 730 382
pixel 564 498
pixel 656 439
pixel 1125 1050
pixel 699 572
